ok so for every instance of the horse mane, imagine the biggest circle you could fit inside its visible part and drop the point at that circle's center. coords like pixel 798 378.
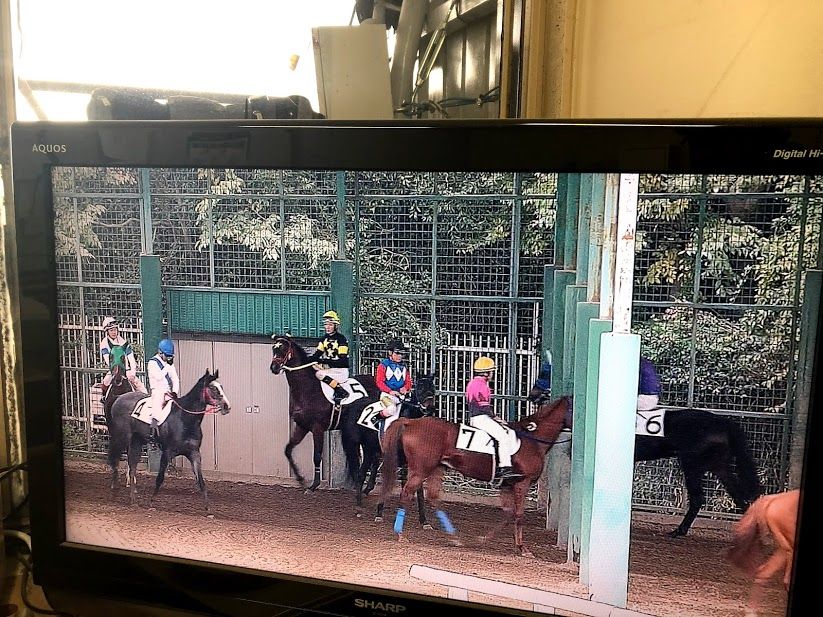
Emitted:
pixel 300 352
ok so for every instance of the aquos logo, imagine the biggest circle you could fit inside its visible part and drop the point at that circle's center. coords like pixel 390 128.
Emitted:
pixel 383 607
pixel 48 148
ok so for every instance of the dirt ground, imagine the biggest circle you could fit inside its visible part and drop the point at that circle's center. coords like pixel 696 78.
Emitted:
pixel 281 529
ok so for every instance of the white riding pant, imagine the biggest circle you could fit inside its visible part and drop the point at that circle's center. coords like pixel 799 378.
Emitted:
pixel 647 402
pixel 504 437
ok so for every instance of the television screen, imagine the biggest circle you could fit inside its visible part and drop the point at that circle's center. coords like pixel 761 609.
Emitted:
pixel 569 359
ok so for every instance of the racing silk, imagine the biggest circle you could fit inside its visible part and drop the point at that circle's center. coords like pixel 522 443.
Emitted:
pixel 106 347
pixel 393 376
pixel 333 351
pixel 479 397
pixel 162 377
pixel 649 381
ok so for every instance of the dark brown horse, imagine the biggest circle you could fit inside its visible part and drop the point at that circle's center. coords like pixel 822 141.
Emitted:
pixel 308 406
pixel 429 445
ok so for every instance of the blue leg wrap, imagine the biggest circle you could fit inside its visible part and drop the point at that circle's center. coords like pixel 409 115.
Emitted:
pixel 399 520
pixel 445 523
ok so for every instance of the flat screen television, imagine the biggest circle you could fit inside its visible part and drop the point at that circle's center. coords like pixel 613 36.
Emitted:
pixel 459 240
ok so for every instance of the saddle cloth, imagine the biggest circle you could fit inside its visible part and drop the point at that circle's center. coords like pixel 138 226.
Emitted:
pixel 366 416
pixel 650 422
pixel 144 411
pixel 473 439
pixel 351 385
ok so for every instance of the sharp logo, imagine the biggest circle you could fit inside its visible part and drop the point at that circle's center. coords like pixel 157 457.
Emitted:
pixel 48 148
pixel 383 607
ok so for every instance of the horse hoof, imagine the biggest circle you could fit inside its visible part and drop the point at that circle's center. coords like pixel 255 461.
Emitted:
pixel 676 533
pixel 378 519
pixel 455 542
pixel 527 554
pixel 211 516
pixel 427 527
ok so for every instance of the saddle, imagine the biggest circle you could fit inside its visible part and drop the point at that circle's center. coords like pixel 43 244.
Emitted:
pixel 144 411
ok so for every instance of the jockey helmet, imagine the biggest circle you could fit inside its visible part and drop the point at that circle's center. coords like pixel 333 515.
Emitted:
pixel 166 347
pixel 484 364
pixel 110 322
pixel 396 345
pixel 332 316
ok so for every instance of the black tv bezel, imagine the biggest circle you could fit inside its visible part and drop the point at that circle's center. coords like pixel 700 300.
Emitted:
pixel 725 146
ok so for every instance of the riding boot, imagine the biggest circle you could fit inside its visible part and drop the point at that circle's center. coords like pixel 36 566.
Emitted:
pixel 339 394
pixel 154 433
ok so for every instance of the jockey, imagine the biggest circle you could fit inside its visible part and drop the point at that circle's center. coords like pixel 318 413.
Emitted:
pixel 648 396
pixel 163 378
pixel 110 340
pixel 394 380
pixel 478 396
pixel 332 357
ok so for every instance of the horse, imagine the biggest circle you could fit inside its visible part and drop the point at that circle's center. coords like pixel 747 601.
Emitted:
pixel 774 515
pixel 119 383
pixel 429 445
pixel 701 441
pixel 419 403
pixel 180 433
pixel 308 406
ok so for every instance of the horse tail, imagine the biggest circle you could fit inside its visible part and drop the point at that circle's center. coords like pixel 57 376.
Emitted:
pixel 745 551
pixel 392 442
pixel 350 436
pixel 744 462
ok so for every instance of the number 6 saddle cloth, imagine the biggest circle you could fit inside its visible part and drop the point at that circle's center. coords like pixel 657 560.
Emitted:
pixel 651 422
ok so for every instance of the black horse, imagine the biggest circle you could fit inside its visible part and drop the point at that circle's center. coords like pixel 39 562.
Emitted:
pixel 701 441
pixel 308 406
pixel 180 433
pixel 419 403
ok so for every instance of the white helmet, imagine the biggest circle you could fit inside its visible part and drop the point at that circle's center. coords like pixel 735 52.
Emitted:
pixel 110 322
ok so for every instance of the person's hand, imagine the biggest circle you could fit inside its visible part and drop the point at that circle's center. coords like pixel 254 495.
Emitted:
pixel 131 374
pixel 394 393
pixel 404 391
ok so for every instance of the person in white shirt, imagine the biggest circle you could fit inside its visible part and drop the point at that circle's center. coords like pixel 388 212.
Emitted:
pixel 163 378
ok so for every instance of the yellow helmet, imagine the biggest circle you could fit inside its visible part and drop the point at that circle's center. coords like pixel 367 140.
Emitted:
pixel 484 364
pixel 332 316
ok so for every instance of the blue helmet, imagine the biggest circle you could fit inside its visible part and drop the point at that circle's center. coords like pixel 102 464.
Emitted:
pixel 166 346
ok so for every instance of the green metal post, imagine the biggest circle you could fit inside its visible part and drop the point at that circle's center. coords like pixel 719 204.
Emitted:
pixel 572 207
pixel 583 226
pixel 342 301
pixel 151 299
pixel 597 327
pixel 341 214
pixel 613 468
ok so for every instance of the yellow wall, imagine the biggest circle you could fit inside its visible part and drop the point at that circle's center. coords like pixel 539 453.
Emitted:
pixel 697 58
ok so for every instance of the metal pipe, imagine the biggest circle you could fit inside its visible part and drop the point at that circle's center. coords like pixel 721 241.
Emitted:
pixel 409 30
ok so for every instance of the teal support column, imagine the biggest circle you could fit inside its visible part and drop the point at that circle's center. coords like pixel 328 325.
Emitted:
pixel 575 294
pixel 151 300
pixel 560 220
pixel 613 468
pixel 342 301
pixel 597 328
pixel 570 236
pixel 562 279
pixel 583 227
pixel 548 314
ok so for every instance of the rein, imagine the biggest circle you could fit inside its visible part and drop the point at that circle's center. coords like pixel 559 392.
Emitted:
pixel 526 435
pixel 296 368
pixel 214 408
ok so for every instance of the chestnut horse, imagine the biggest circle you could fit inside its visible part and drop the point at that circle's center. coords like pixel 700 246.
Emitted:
pixel 429 445
pixel 774 515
